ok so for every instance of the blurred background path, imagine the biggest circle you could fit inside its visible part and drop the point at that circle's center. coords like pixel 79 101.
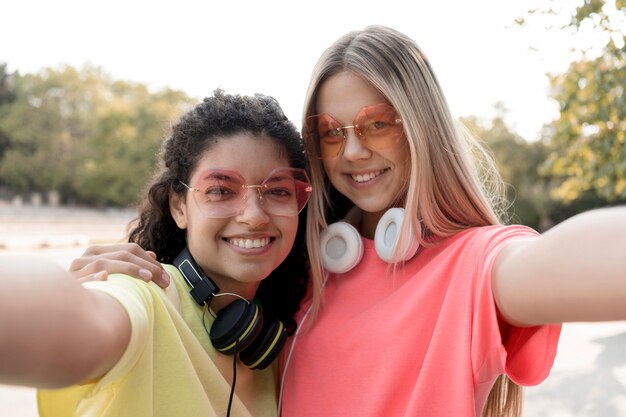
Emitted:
pixel 588 378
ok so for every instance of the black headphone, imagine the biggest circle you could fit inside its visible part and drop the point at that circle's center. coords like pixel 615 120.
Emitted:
pixel 342 247
pixel 239 328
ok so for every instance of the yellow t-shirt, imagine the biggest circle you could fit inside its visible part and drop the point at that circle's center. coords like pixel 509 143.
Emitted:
pixel 169 368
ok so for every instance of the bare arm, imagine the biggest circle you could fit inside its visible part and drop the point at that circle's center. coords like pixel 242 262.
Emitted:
pixel 575 271
pixel 126 258
pixel 54 332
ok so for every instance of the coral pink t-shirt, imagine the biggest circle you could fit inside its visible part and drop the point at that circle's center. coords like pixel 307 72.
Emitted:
pixel 425 342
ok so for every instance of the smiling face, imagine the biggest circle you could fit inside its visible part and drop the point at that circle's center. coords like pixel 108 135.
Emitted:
pixel 373 180
pixel 237 252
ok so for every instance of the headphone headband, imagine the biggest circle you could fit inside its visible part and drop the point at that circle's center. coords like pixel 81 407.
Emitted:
pixel 202 287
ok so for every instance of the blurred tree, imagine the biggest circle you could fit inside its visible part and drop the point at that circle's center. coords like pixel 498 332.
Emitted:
pixel 78 132
pixel 46 124
pixel 590 135
pixel 128 137
pixel 588 140
pixel 518 161
pixel 7 96
pixel 7 85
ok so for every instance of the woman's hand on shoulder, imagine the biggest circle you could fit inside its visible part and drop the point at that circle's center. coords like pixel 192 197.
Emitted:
pixel 98 261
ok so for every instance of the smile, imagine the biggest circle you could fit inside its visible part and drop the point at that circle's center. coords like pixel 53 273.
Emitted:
pixel 250 243
pixel 367 176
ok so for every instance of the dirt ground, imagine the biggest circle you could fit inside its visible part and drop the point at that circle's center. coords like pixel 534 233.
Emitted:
pixel 29 227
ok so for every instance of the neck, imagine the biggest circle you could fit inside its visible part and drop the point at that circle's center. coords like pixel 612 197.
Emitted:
pixel 226 285
pixel 224 298
pixel 365 221
pixel 244 290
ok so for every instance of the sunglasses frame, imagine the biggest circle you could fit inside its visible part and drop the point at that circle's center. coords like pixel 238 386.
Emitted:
pixel 298 174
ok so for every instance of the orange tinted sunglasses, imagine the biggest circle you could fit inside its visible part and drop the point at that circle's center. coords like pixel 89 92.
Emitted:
pixel 377 126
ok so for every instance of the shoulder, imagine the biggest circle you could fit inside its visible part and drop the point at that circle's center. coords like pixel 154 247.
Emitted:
pixel 477 246
pixel 132 293
pixel 487 237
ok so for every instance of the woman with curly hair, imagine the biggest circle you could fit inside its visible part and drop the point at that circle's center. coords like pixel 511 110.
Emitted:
pixel 224 213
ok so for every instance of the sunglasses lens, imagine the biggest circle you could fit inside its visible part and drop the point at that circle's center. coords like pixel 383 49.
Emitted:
pixel 328 134
pixel 285 192
pixel 220 193
pixel 380 126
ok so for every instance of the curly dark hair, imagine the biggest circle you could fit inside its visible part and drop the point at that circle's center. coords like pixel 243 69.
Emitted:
pixel 217 117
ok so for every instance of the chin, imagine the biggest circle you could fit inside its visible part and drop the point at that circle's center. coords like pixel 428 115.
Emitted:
pixel 252 274
pixel 373 206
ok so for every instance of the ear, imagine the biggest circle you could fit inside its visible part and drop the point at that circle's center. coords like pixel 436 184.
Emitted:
pixel 178 209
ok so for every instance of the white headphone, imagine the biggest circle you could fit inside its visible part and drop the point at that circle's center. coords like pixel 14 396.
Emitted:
pixel 342 247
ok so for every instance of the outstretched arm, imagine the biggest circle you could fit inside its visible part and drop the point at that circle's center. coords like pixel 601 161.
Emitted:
pixel 575 271
pixel 126 258
pixel 54 332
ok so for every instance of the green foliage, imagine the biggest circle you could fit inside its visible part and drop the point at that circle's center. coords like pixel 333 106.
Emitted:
pixel 7 96
pixel 92 139
pixel 589 137
pixel 518 161
pixel 126 144
pixel 588 140
pixel 7 85
pixel 528 186
pixel 587 10
pixel 43 128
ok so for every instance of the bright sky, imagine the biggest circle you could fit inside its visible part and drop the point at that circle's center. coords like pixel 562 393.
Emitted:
pixel 247 46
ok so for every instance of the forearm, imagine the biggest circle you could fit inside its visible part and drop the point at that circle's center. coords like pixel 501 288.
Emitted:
pixel 576 271
pixel 51 332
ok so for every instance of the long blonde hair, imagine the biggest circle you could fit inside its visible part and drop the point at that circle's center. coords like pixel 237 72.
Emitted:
pixel 453 184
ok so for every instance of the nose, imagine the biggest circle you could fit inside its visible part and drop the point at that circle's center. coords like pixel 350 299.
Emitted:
pixel 252 212
pixel 353 147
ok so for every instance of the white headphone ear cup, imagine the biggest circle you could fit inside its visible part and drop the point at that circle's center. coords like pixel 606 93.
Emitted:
pixel 341 247
pixel 388 233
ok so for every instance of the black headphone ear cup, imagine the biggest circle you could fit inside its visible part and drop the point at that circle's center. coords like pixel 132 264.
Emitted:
pixel 266 347
pixel 236 325
pixel 387 236
pixel 341 247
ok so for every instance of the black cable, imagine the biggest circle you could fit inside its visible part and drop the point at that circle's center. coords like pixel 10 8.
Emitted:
pixel 204 310
pixel 232 387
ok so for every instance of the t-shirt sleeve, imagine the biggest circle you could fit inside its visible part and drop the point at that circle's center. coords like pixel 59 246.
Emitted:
pixel 524 354
pixel 136 300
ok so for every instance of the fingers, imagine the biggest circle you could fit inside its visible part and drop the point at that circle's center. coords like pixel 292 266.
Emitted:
pixel 114 250
pixel 127 265
pixel 124 258
pixel 127 252
pixel 98 276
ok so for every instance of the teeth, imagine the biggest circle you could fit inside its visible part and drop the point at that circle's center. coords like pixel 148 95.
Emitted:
pixel 366 177
pixel 250 243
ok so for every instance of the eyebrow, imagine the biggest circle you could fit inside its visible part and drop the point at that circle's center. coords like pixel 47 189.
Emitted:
pixel 275 178
pixel 225 175
pixel 218 175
